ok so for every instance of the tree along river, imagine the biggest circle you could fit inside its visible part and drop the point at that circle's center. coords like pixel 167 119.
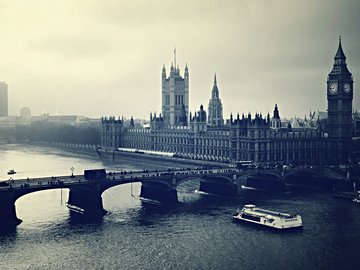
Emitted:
pixel 198 233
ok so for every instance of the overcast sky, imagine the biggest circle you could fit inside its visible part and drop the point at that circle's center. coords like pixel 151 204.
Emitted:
pixel 102 57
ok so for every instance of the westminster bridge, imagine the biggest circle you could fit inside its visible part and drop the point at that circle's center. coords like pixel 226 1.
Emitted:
pixel 85 195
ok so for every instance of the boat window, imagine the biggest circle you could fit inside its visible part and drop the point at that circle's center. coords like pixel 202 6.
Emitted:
pixel 250 217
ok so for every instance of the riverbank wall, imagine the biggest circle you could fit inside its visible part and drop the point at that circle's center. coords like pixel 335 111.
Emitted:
pixel 117 156
pixel 88 149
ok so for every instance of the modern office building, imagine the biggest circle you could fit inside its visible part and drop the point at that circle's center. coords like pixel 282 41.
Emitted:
pixel 4 99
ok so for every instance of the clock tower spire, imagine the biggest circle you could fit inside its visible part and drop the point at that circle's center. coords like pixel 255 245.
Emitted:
pixel 339 96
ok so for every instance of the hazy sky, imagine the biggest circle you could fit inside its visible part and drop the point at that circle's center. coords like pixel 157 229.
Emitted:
pixel 102 57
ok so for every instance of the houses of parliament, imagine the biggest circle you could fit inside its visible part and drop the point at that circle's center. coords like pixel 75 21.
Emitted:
pixel 320 138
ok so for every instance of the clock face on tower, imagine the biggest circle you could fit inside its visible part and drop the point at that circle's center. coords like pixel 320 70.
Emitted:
pixel 347 88
pixel 332 88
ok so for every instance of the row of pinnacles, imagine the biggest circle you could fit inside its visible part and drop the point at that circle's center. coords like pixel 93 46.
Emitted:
pixel 197 122
pixel 175 99
pixel 175 106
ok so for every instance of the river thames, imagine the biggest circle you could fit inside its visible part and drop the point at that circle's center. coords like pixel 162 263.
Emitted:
pixel 198 233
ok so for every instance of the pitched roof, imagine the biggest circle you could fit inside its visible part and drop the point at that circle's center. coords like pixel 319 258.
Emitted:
pixel 340 52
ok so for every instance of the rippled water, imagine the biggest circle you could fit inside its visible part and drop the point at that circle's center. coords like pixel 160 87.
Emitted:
pixel 196 234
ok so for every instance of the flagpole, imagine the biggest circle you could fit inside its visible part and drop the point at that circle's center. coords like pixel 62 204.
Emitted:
pixel 175 57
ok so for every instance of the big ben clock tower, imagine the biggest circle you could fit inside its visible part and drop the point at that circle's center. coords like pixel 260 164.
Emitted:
pixel 339 96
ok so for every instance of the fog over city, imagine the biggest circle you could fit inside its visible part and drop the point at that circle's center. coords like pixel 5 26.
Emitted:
pixel 102 57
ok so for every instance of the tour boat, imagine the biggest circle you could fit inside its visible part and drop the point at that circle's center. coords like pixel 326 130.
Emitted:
pixel 272 219
pixel 12 171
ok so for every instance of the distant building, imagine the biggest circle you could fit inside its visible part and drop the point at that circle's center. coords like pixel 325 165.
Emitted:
pixel 318 138
pixel 13 121
pixel 56 120
pixel 4 99
pixel 25 112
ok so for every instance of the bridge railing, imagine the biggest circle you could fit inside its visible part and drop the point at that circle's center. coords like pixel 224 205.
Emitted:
pixel 69 180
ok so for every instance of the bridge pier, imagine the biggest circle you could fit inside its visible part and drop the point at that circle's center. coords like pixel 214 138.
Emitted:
pixel 8 216
pixel 158 192
pixel 86 200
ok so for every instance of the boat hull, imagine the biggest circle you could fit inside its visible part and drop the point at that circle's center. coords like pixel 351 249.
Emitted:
pixel 275 227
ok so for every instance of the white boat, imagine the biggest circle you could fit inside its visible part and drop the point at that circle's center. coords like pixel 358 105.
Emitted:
pixel 253 214
pixel 12 171
pixel 357 198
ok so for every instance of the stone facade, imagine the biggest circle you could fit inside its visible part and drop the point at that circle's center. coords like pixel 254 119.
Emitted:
pixel 262 140
pixel 215 107
pixel 175 97
pixel 244 138
pixel 340 118
pixel 112 132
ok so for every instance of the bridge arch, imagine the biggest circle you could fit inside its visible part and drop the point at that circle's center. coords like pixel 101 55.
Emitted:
pixel 204 177
pixel 186 179
pixel 45 205
pixel 259 173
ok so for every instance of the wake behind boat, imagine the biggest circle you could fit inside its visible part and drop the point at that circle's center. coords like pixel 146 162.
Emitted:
pixel 253 214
